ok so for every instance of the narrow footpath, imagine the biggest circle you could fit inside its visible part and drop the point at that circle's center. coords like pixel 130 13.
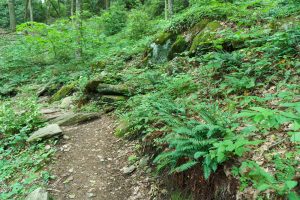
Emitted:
pixel 90 164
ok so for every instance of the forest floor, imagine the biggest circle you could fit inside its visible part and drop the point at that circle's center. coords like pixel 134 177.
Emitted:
pixel 89 162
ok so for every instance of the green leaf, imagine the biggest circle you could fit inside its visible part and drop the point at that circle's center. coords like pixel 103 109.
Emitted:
pixel 293 196
pixel 263 187
pixel 291 184
pixel 207 171
pixel 199 154
pixel 295 136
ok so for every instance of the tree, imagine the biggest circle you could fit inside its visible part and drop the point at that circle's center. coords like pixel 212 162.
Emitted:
pixel 30 10
pixel 79 29
pixel 170 7
pixel 72 7
pixel 166 10
pixel 12 14
pixel 107 4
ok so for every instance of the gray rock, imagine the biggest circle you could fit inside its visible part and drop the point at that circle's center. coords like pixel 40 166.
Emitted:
pixel 144 161
pixel 66 102
pixel 70 119
pixel 46 111
pixel 46 132
pixel 38 194
pixel 128 170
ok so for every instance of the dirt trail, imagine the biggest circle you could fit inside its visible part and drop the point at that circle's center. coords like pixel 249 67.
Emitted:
pixel 88 165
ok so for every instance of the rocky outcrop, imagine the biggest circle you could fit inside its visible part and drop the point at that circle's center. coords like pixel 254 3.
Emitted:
pixel 179 46
pixel 205 37
pixel 46 132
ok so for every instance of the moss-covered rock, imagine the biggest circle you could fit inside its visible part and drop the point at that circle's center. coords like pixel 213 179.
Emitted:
pixel 179 46
pixel 197 29
pixel 206 36
pixel 63 92
pixel 112 98
pixel 99 65
pixel 122 129
pixel 70 119
pixel 164 37
pixel 92 85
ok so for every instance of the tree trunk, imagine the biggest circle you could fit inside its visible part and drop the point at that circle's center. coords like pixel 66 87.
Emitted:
pixel 26 10
pixel 170 7
pixel 30 10
pixel 12 14
pixel 79 30
pixel 166 10
pixel 107 4
pixel 72 7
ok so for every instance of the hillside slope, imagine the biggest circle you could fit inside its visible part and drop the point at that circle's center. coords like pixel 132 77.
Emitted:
pixel 212 95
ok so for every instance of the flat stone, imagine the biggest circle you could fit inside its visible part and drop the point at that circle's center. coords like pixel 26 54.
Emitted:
pixel 48 111
pixel 38 194
pixel 70 119
pixel 46 132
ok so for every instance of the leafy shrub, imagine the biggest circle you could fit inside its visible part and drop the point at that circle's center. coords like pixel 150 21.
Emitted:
pixel 206 141
pixel 20 163
pixel 113 20
pixel 138 24
pixel 24 120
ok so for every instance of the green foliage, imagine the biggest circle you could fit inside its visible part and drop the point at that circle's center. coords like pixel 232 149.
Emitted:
pixel 114 19
pixel 201 142
pixel 19 161
pixel 138 24
pixel 282 181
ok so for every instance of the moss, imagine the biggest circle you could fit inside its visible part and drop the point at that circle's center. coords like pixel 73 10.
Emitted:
pixel 164 37
pixel 112 98
pixel 199 27
pixel 63 92
pixel 122 128
pixel 206 36
pixel 179 46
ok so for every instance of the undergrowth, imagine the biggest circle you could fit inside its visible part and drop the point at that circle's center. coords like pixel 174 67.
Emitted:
pixel 235 99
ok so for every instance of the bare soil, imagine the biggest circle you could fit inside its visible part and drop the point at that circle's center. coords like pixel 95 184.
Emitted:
pixel 88 165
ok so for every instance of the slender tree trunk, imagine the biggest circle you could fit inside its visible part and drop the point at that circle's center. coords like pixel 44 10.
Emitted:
pixel 170 6
pixel 107 4
pixel 72 7
pixel 12 14
pixel 79 30
pixel 30 10
pixel 47 4
pixel 26 10
pixel 166 10
pixel 58 7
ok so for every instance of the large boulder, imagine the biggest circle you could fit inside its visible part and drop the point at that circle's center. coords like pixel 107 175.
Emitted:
pixel 164 37
pixel 205 37
pixel 70 119
pixel 190 35
pixel 38 194
pixel 48 89
pixel 179 46
pixel 46 132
